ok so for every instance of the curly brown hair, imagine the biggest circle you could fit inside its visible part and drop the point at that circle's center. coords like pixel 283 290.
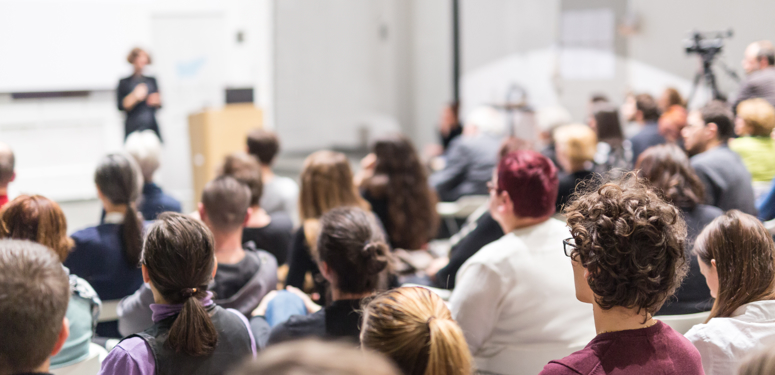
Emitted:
pixel 632 243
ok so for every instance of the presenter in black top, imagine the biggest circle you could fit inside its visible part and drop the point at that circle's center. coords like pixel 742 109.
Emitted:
pixel 138 96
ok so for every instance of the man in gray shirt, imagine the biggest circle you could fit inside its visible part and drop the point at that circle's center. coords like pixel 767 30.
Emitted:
pixel 726 179
pixel 758 63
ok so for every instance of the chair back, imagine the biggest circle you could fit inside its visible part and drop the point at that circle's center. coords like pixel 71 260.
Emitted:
pixel 683 323
pixel 89 366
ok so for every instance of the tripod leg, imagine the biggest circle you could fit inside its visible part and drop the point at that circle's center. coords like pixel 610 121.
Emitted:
pixel 695 85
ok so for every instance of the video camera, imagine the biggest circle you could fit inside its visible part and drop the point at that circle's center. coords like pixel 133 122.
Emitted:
pixel 707 43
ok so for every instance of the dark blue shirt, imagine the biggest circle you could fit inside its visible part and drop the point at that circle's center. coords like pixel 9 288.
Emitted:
pixel 155 201
pixel 648 136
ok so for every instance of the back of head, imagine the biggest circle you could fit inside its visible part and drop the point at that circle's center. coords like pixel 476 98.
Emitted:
pixel 759 115
pixel 263 145
pixel 34 293
pixel 673 97
pixel 145 148
pixel 38 219
pixel 646 104
pixel 765 49
pixel 598 98
pixel 310 357
pixel 577 142
pixel 179 256
pixel 549 118
pixel 511 144
pixel 760 363
pixel 414 327
pixel 487 120
pixel 226 202
pixel 609 129
pixel 118 179
pixel 667 168
pixel 745 258
pixel 718 113
pixel 246 170
pixel 7 162
pixel 351 244
pixel 631 242
pixel 326 183
pixel 531 181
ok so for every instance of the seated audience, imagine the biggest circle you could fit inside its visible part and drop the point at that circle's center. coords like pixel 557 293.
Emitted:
pixel 470 158
pixel 326 183
pixel 280 194
pixel 190 333
pixel 754 124
pixel 310 357
pixel 145 147
pixel 612 150
pixel 646 114
pixel 415 329
pixel 107 256
pixel 667 168
pixel 40 220
pixel 737 258
pixel 244 275
pixel 7 173
pixel 576 147
pixel 517 291
pixel 761 363
pixel 726 179
pixel 547 120
pixel 34 292
pixel 395 183
pixel 627 252
pixel 266 232
pixel 351 255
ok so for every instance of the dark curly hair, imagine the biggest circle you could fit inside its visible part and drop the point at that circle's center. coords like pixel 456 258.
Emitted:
pixel 667 168
pixel 631 241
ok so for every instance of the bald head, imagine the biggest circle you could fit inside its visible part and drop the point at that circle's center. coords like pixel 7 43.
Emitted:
pixel 6 165
pixel 759 55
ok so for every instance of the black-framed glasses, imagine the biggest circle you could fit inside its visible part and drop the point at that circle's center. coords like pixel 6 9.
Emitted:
pixel 568 245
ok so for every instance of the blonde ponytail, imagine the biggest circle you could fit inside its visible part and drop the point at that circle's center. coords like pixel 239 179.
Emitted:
pixel 448 352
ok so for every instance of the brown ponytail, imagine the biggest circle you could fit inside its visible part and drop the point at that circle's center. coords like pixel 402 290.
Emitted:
pixel 180 257
pixel 414 327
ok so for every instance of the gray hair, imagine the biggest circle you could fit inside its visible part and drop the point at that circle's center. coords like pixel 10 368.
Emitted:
pixel 145 148
pixel 488 120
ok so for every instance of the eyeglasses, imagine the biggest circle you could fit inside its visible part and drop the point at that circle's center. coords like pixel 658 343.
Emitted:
pixel 568 245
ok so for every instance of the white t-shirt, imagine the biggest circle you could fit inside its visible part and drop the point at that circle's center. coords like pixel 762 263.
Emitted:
pixel 281 194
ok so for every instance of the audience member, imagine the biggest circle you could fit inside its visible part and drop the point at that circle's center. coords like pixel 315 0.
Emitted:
pixel 547 120
pixel 667 168
pixel 190 334
pixel 326 183
pixel 671 122
pixel 449 124
pixel 266 232
pixel 670 97
pixel 395 183
pixel 7 173
pixel 612 150
pixel 351 255
pixel 310 357
pixel 737 257
pixel 415 329
pixel 39 219
pixel 517 291
pixel 34 292
pixel 280 194
pixel 576 147
pixel 646 114
pixel 627 252
pixel 145 147
pixel 243 276
pixel 470 158
pixel 107 256
pixel 758 62
pixel 761 363
pixel 726 179
pixel 754 124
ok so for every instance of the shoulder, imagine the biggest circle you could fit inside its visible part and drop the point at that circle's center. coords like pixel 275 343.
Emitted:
pixel 708 212
pixel 299 326
pixel 131 356
pixel 708 335
pixel 583 361
pixel 281 222
pixel 82 288
pixel 557 368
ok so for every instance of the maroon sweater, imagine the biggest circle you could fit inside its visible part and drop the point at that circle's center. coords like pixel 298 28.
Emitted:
pixel 654 350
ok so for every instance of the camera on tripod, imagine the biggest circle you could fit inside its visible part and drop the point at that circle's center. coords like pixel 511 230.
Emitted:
pixel 708 45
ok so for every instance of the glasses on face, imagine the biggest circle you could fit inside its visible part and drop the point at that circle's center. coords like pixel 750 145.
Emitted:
pixel 568 245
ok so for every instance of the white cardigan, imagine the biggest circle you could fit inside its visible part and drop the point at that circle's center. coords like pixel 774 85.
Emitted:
pixel 725 342
pixel 518 293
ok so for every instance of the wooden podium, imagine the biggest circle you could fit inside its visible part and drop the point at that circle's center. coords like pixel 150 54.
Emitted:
pixel 215 134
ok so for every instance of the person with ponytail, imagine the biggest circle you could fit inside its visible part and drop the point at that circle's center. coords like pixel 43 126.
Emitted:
pixel 352 256
pixel 414 327
pixel 737 257
pixel 190 334
pixel 108 255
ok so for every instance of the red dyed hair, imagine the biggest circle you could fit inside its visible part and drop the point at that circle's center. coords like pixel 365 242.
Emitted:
pixel 530 179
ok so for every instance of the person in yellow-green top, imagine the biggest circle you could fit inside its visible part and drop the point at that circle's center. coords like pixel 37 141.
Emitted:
pixel 754 124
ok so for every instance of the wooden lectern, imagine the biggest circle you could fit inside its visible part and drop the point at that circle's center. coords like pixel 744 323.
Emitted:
pixel 215 134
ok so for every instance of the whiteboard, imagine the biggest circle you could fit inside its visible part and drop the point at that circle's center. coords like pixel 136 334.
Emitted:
pixel 50 45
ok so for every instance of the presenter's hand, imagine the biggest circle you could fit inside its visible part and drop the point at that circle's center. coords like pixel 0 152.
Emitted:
pixel 154 100
pixel 140 92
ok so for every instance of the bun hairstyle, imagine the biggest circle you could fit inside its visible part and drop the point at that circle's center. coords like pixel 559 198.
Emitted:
pixel 414 327
pixel 179 255
pixel 352 245
pixel 119 179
